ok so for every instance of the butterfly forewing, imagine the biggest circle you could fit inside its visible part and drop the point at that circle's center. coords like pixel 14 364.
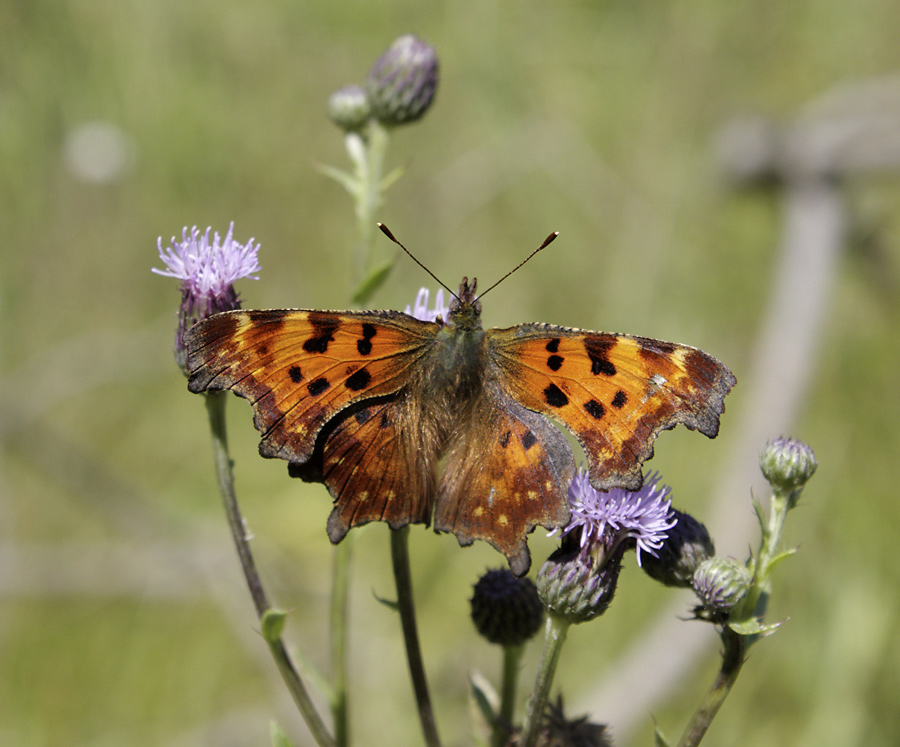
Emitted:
pixel 614 392
pixel 300 368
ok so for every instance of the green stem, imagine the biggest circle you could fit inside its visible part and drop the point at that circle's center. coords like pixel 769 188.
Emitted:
pixel 512 656
pixel 339 596
pixel 732 661
pixel 555 631
pixel 755 602
pixel 368 197
pixel 215 407
pixel 406 606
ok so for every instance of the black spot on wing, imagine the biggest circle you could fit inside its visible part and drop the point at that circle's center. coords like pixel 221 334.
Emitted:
pixel 528 440
pixel 553 345
pixel 315 388
pixel 619 400
pixel 296 374
pixel 598 349
pixel 554 362
pixel 364 345
pixel 594 409
pixel 504 441
pixel 359 380
pixel 555 397
pixel 324 327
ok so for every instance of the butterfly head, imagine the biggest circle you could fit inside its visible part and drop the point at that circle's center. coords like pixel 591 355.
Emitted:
pixel 465 308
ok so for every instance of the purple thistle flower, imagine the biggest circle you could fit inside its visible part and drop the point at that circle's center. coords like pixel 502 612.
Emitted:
pixel 608 518
pixel 579 580
pixel 207 271
pixel 420 309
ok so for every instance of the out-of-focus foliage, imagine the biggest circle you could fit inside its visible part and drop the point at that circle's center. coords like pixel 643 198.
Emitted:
pixel 122 615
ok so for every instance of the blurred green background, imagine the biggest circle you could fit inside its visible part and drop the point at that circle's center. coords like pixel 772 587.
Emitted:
pixel 123 617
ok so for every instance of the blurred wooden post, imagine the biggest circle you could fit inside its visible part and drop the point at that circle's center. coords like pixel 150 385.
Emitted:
pixel 851 132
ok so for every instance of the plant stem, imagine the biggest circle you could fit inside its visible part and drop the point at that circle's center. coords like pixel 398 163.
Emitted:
pixel 406 606
pixel 732 661
pixel 555 631
pixel 754 604
pixel 215 408
pixel 339 595
pixel 512 656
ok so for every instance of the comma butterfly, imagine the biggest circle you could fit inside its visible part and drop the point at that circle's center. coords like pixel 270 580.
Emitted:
pixel 407 421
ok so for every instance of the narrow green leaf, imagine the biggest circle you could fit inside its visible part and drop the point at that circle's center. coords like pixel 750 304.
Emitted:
pixel 273 624
pixel 391 178
pixel 753 626
pixel 760 513
pixel 346 180
pixel 372 283
pixel 780 557
pixel 277 735
pixel 659 739
pixel 485 696
pixel 389 603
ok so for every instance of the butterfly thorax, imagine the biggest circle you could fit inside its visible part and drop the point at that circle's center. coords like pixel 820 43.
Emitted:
pixel 456 370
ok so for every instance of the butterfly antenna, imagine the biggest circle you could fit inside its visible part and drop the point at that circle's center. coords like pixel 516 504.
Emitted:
pixel 547 242
pixel 387 232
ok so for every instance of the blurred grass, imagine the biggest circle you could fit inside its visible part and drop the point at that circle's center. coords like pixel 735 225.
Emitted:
pixel 595 119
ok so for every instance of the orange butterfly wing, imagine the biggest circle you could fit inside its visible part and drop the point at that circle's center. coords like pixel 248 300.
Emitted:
pixel 299 369
pixel 376 466
pixel 615 393
pixel 507 471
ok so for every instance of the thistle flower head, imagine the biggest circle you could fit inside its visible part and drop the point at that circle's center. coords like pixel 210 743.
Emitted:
pixel 579 580
pixel 402 82
pixel 608 518
pixel 506 609
pixel 207 270
pixel 688 544
pixel 420 309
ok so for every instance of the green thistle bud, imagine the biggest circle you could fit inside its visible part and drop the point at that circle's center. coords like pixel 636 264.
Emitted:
pixel 506 609
pixel 349 108
pixel 787 465
pixel 720 583
pixel 402 82
pixel 688 544
pixel 571 587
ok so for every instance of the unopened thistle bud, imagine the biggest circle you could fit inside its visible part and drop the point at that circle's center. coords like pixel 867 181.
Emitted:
pixel 686 547
pixel 349 108
pixel 506 609
pixel 572 587
pixel 787 464
pixel 720 583
pixel 402 82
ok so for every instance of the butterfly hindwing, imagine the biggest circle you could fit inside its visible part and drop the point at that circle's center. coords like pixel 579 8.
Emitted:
pixel 506 472
pixel 615 393
pixel 373 467
pixel 300 368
